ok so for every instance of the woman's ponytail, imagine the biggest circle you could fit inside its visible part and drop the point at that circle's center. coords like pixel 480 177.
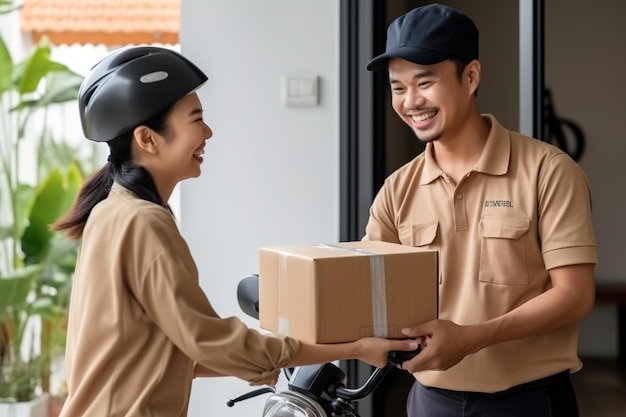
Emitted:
pixel 119 168
pixel 95 189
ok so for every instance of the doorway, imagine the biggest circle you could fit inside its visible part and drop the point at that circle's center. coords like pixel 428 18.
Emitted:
pixel 375 142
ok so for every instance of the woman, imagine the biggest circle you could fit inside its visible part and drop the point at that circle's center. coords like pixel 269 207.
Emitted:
pixel 140 327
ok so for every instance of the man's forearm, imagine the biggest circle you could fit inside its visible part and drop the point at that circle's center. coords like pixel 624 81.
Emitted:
pixel 570 299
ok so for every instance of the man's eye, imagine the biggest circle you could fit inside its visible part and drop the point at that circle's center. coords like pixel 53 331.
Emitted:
pixel 424 84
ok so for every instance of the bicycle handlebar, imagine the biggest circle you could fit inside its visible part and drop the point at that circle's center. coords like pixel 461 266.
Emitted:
pixel 352 394
pixel 248 298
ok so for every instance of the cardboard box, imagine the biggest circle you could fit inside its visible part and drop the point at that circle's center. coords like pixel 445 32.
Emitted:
pixel 345 291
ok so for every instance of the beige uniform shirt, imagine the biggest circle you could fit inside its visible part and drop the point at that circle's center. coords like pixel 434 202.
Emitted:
pixel 138 319
pixel 524 209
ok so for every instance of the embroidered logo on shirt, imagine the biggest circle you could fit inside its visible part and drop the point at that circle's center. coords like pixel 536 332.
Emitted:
pixel 498 203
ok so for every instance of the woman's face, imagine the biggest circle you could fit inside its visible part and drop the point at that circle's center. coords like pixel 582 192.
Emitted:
pixel 182 146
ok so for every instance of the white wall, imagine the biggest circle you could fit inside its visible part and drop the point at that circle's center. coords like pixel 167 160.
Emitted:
pixel 271 173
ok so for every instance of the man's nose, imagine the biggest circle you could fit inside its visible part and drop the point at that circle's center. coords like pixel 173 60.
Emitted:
pixel 413 98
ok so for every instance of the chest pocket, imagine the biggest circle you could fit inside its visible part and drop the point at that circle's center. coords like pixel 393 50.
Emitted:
pixel 503 250
pixel 419 235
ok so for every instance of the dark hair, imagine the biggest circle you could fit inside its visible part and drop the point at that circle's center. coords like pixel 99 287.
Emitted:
pixel 120 169
pixel 460 65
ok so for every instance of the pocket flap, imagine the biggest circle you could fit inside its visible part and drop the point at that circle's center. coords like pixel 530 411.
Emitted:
pixel 503 227
pixel 419 234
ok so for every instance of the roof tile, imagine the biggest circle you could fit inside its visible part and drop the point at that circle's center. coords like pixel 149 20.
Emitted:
pixel 108 22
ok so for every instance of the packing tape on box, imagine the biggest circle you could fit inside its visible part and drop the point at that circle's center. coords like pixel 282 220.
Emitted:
pixel 283 322
pixel 379 293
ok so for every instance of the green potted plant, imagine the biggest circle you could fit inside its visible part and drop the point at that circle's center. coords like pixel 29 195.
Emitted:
pixel 20 376
pixel 33 301
pixel 36 265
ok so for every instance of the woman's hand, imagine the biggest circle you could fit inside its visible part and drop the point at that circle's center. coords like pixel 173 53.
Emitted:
pixel 373 350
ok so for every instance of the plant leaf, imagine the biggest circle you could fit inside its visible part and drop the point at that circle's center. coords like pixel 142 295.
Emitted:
pixel 6 68
pixel 14 289
pixel 61 86
pixel 30 72
pixel 53 198
pixel 24 195
pixel 7 6
pixel 36 67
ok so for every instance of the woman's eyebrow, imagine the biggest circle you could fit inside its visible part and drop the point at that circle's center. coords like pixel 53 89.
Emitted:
pixel 196 111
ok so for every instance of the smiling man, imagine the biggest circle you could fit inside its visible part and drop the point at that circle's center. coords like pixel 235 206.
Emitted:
pixel 511 219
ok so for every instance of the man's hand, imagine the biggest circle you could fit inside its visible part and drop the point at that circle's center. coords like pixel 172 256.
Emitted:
pixel 570 299
pixel 445 344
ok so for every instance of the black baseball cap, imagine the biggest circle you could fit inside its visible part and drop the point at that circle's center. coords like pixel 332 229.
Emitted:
pixel 428 35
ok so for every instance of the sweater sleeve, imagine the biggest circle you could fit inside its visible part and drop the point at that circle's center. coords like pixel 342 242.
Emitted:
pixel 166 286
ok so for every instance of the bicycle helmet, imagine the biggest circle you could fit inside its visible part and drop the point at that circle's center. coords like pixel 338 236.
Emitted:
pixel 130 85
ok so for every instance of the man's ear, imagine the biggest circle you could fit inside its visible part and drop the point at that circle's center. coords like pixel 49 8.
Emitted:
pixel 473 75
pixel 145 139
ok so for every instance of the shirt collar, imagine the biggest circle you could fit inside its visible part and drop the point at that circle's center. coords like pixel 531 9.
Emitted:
pixel 494 159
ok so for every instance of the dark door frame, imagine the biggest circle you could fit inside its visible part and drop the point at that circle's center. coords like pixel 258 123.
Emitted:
pixel 362 34
pixel 360 139
pixel 359 129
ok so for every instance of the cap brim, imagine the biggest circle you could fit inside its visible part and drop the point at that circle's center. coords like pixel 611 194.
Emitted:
pixel 418 56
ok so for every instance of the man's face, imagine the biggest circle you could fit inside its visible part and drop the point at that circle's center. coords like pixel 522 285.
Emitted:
pixel 431 99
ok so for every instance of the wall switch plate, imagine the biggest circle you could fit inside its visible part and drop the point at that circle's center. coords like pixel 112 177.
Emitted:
pixel 301 91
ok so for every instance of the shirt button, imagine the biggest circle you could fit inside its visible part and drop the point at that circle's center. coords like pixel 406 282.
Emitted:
pixel 459 196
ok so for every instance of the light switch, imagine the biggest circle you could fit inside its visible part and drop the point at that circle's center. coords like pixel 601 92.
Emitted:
pixel 301 91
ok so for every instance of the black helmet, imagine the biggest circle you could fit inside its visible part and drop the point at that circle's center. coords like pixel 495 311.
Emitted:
pixel 130 85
